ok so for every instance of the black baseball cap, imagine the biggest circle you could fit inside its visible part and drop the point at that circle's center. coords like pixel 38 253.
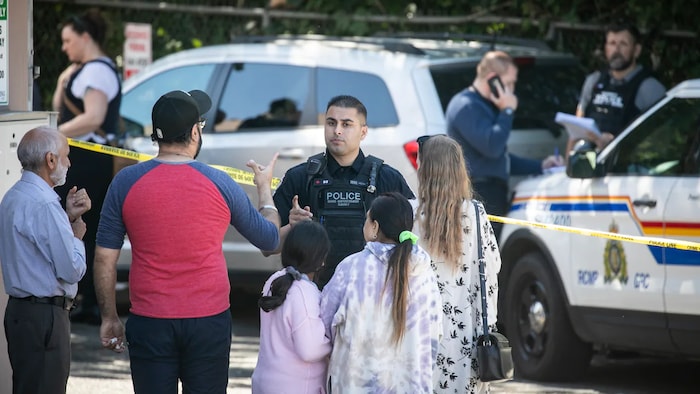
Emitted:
pixel 176 112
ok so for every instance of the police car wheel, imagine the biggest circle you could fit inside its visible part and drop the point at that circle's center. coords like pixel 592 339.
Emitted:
pixel 544 345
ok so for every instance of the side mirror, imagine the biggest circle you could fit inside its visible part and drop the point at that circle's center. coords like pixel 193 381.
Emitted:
pixel 582 160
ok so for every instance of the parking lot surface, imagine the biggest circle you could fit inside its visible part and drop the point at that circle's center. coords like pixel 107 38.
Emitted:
pixel 98 371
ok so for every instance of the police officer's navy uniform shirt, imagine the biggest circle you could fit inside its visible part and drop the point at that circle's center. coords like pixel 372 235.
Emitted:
pixel 295 182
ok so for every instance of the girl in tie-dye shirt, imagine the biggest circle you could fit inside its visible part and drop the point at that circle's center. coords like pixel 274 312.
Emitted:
pixel 382 310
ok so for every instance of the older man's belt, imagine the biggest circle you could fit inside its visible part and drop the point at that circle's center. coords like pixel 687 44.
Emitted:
pixel 60 301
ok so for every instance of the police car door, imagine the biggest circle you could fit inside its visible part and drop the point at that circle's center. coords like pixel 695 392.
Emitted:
pixel 631 199
pixel 682 222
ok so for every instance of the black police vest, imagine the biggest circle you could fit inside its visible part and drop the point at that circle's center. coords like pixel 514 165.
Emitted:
pixel 612 106
pixel 110 125
pixel 340 205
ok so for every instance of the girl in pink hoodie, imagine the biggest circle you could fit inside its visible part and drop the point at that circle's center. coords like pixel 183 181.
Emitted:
pixel 294 350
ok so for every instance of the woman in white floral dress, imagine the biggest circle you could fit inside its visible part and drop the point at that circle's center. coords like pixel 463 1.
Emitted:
pixel 446 222
pixel 381 309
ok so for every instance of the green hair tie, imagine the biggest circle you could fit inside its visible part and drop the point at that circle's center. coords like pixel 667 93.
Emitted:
pixel 405 235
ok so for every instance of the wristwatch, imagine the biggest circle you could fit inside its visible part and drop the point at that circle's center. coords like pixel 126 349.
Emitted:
pixel 508 111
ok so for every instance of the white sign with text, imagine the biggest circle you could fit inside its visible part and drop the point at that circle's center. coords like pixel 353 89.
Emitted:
pixel 4 99
pixel 137 47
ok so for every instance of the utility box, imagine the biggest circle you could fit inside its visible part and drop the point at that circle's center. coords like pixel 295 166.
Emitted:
pixel 12 127
pixel 16 82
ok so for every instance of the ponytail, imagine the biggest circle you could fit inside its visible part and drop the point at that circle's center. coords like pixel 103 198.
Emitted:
pixel 304 250
pixel 278 290
pixel 397 275
pixel 394 214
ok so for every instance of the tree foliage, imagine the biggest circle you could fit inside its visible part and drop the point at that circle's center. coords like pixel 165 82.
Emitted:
pixel 567 25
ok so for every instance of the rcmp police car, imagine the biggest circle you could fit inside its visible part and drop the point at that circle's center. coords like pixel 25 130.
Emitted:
pixel 564 295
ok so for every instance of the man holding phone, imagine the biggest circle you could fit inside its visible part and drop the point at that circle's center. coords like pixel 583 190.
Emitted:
pixel 480 118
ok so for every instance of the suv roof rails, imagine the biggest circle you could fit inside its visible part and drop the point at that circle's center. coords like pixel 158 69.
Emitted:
pixel 393 44
pixel 493 39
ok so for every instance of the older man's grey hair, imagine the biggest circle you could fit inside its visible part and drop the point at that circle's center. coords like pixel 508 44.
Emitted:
pixel 35 144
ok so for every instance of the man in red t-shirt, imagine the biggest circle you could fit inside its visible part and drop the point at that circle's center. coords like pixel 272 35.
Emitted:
pixel 176 211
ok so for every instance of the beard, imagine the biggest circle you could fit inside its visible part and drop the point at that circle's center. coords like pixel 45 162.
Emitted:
pixel 618 62
pixel 58 176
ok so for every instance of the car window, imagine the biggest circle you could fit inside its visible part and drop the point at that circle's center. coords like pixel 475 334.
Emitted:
pixel 368 88
pixel 667 143
pixel 543 89
pixel 260 95
pixel 137 103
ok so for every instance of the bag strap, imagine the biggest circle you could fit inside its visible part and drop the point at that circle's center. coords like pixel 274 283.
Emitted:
pixel 482 275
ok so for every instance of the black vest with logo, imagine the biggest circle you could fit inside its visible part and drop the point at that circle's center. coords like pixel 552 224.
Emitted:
pixel 612 105
pixel 340 205
pixel 110 125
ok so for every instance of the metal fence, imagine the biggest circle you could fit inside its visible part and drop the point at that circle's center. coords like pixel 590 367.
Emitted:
pixel 183 24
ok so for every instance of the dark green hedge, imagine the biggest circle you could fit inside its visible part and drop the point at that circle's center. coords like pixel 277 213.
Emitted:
pixel 677 57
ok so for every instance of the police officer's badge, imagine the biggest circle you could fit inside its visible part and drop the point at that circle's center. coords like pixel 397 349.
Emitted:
pixel 614 258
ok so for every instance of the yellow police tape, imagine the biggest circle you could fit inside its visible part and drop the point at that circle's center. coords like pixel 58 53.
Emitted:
pixel 653 241
pixel 240 176
pixel 246 177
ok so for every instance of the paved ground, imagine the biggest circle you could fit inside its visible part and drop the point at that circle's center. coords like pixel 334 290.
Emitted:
pixel 98 371
pixel 95 370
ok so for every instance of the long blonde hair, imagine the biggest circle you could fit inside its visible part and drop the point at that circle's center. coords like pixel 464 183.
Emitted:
pixel 443 186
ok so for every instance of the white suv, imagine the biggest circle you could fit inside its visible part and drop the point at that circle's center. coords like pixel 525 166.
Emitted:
pixel 404 83
pixel 563 294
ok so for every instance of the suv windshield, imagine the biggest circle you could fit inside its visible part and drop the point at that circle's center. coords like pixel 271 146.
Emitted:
pixel 542 89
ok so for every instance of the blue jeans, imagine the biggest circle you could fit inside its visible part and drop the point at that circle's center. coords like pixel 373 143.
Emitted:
pixel 195 351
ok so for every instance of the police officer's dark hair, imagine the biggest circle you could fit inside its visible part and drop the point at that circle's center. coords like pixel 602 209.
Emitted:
pixel 623 25
pixel 394 214
pixel 345 101
pixel 305 248
pixel 90 22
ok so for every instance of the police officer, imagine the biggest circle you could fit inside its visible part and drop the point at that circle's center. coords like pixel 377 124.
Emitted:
pixel 336 187
pixel 614 97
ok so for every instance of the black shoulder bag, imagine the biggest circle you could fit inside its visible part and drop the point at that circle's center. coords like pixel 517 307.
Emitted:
pixel 492 348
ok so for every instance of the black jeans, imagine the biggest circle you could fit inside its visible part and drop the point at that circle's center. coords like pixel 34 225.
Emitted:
pixel 493 193
pixel 195 351
pixel 92 171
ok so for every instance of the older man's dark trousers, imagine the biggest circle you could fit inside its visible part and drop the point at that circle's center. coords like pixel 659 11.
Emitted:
pixel 38 343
